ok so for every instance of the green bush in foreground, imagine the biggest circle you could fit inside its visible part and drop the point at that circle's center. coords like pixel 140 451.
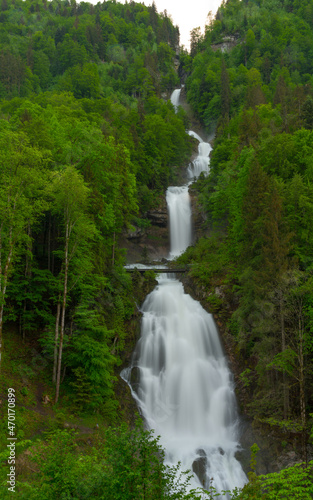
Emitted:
pixel 295 482
pixel 128 464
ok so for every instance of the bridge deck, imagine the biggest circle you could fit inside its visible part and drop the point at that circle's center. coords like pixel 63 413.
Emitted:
pixel 156 270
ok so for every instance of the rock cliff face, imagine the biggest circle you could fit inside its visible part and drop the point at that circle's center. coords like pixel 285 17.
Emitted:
pixel 227 43
pixel 199 220
pixel 159 216
pixel 149 244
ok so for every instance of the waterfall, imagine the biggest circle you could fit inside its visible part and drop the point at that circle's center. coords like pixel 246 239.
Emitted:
pixel 195 135
pixel 185 390
pixel 179 375
pixel 201 163
pixel 175 98
pixel 178 203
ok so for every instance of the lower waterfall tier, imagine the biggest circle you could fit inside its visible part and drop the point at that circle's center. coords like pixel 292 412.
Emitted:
pixel 184 388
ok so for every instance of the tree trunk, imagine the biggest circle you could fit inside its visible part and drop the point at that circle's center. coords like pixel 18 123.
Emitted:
pixel 283 348
pixel 52 246
pixel 27 274
pixel 49 243
pixel 302 388
pixel 66 265
pixel 4 274
pixel 56 338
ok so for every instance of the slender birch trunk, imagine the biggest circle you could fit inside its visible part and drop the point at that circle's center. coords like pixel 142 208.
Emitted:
pixel 283 348
pixel 302 386
pixel 66 266
pixel 56 339
pixel 4 275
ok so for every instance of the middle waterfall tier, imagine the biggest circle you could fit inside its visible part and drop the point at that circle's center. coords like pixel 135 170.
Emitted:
pixel 179 207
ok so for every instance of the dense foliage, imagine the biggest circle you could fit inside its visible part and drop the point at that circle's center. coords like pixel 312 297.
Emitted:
pixel 87 145
pixel 125 464
pixel 251 79
pixel 89 50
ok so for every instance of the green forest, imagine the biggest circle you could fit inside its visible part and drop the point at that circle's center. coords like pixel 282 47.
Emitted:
pixel 89 142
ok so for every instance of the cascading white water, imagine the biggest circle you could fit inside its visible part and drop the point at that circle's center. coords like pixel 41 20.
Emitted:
pixel 179 375
pixel 202 162
pixel 175 98
pixel 178 203
pixel 185 390
pixel 195 135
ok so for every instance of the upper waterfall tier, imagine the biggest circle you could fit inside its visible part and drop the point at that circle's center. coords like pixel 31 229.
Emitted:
pixel 175 98
pixel 195 135
pixel 202 161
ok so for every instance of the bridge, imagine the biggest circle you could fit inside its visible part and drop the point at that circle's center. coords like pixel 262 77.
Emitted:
pixel 156 270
